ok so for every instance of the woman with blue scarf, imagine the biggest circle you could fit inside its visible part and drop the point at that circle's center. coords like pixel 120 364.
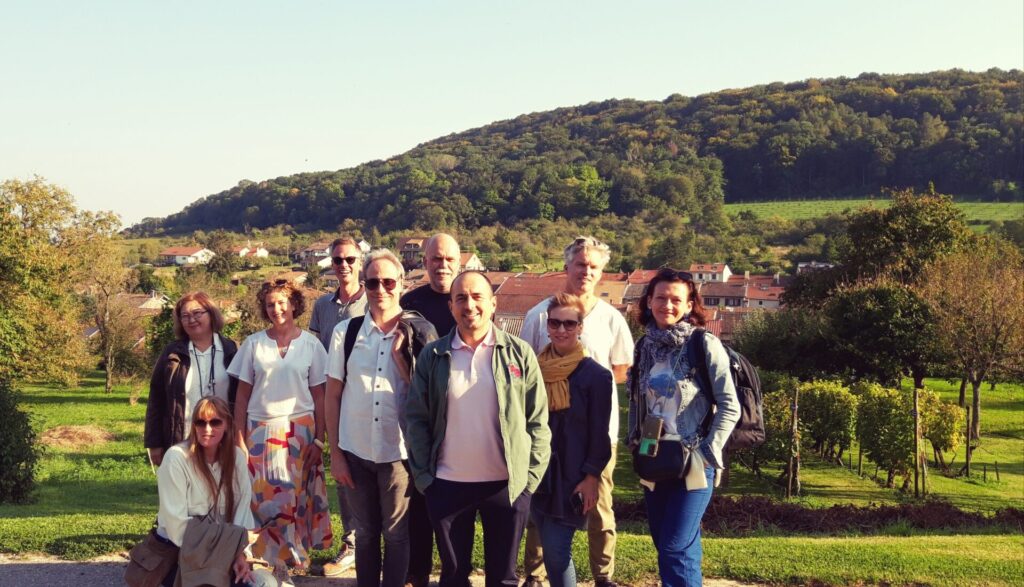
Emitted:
pixel 667 405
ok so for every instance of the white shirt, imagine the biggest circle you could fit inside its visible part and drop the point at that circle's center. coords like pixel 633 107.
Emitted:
pixel 373 400
pixel 197 380
pixel 473 448
pixel 605 335
pixel 185 494
pixel 280 385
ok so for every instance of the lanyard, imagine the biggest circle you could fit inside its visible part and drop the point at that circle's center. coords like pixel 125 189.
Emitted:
pixel 195 360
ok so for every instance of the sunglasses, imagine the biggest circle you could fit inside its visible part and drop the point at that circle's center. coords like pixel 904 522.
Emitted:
pixel 374 283
pixel 193 316
pixel 213 422
pixel 350 261
pixel 569 325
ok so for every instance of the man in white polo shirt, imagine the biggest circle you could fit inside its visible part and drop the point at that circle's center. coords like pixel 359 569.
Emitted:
pixel 365 405
pixel 478 435
pixel 608 341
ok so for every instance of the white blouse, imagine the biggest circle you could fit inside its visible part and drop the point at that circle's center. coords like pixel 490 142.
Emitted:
pixel 206 376
pixel 184 493
pixel 280 385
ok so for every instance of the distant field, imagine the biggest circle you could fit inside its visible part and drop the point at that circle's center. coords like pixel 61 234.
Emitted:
pixel 977 212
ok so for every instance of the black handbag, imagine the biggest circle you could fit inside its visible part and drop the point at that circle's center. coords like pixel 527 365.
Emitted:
pixel 150 561
pixel 671 462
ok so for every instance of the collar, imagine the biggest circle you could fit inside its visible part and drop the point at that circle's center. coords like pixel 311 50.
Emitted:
pixel 369 325
pixel 216 345
pixel 337 296
pixel 489 339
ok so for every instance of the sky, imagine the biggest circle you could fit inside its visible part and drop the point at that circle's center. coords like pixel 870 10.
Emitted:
pixel 145 107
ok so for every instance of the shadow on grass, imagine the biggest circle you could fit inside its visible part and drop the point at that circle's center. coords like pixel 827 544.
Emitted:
pixel 57 498
pixel 75 398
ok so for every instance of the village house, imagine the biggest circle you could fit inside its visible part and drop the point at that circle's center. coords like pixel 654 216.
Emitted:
pixel 710 272
pixel 410 250
pixel 249 250
pixel 183 256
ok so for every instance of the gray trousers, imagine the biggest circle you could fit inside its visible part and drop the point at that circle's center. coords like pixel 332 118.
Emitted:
pixel 378 507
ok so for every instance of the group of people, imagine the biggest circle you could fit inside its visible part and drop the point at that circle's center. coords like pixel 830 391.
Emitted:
pixel 432 416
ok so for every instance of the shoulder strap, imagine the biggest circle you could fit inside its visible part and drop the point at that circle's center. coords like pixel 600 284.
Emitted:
pixel 354 324
pixel 696 354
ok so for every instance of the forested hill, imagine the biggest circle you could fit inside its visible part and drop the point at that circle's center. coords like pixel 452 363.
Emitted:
pixel 810 139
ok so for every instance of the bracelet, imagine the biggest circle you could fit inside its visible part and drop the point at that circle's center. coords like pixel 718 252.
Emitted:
pixel 319 443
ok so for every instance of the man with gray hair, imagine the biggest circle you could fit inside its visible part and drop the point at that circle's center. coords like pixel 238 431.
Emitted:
pixel 608 341
pixel 368 373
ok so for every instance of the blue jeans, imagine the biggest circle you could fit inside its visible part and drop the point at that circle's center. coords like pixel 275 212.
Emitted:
pixel 673 515
pixel 556 541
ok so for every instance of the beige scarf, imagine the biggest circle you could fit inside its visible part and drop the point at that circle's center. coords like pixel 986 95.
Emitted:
pixel 556 370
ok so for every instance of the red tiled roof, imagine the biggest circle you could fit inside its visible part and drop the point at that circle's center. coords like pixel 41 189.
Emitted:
pixel 180 251
pixel 533 284
pixel 717 289
pixel 642 276
pixel 755 292
pixel 519 304
pixel 419 241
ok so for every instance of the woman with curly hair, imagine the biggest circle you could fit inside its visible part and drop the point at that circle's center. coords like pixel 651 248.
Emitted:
pixel 280 410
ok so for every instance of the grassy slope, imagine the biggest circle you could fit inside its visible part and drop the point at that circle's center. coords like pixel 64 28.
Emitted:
pixel 100 499
pixel 976 211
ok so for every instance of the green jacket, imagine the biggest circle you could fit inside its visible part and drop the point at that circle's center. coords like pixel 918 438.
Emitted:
pixel 522 411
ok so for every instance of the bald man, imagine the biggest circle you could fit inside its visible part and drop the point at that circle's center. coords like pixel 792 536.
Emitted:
pixel 477 430
pixel 441 259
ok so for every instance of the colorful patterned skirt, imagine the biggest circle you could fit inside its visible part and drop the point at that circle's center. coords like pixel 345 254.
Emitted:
pixel 291 509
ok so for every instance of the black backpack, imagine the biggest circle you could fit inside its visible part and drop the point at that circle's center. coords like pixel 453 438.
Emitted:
pixel 418 333
pixel 749 431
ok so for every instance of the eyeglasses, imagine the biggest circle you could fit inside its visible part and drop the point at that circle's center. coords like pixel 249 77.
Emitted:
pixel 194 316
pixel 374 283
pixel 212 422
pixel 569 325
pixel 673 274
pixel 348 260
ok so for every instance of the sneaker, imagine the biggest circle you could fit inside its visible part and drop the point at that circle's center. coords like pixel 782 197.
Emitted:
pixel 282 576
pixel 533 582
pixel 605 583
pixel 345 560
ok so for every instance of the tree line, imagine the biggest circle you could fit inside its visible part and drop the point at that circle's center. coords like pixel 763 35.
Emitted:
pixel 682 156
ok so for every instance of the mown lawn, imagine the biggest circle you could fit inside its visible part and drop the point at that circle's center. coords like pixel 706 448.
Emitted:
pixel 976 212
pixel 99 499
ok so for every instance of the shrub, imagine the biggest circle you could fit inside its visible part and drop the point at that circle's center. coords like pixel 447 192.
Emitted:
pixel 885 428
pixel 828 413
pixel 18 449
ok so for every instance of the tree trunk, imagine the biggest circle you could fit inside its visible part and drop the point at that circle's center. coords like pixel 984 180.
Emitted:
pixel 727 457
pixel 918 375
pixel 963 392
pixel 108 359
pixel 976 410
pixel 917 443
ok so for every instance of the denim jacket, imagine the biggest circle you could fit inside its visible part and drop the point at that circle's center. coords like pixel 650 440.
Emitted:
pixel 694 406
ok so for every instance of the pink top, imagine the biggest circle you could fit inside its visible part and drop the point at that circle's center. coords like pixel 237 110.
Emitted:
pixel 472 447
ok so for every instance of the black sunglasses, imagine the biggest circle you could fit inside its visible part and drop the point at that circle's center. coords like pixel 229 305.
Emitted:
pixel 569 325
pixel 213 422
pixel 374 283
pixel 673 274
pixel 349 260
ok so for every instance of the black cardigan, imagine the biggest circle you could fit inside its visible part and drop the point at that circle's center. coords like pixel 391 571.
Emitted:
pixel 165 409
pixel 579 441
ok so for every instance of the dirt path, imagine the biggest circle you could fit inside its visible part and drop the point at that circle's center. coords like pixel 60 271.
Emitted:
pixel 23 571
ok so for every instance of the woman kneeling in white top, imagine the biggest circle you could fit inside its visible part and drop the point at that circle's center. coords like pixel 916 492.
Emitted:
pixel 207 469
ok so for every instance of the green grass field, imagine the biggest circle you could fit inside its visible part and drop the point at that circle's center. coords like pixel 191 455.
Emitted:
pixel 101 498
pixel 976 212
